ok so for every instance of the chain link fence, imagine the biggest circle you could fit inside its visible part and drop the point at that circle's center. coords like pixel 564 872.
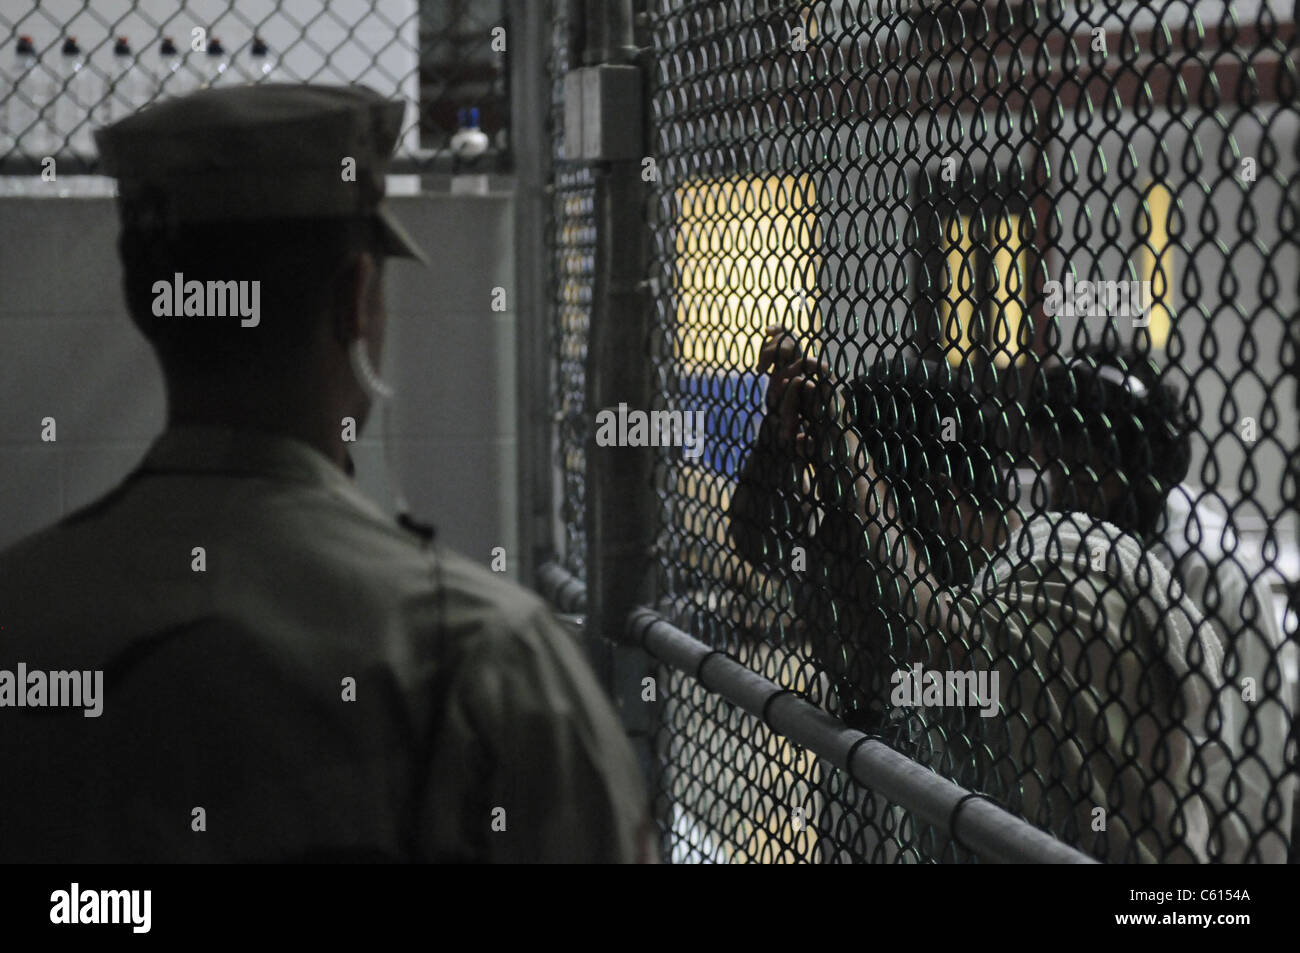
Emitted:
pixel 68 67
pixel 572 247
pixel 986 310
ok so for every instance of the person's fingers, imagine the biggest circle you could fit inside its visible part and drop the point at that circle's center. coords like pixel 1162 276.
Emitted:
pixel 801 390
pixel 780 347
pixel 791 401
pixel 782 377
pixel 819 397
pixel 815 401
pixel 808 366
pixel 811 403
pixel 767 354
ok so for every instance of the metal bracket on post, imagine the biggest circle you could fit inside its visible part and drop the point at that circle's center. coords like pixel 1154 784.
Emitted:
pixel 603 113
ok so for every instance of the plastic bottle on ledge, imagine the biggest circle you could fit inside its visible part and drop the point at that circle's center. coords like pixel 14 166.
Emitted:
pixel 21 124
pixel 217 72
pixel 128 88
pixel 174 76
pixel 261 65
pixel 23 129
pixel 75 102
pixel 469 141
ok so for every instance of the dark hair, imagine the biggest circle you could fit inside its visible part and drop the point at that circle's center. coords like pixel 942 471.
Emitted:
pixel 1112 414
pixel 922 421
pixel 298 263
pixel 932 436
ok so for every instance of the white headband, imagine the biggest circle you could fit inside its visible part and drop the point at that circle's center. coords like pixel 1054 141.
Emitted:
pixel 1113 374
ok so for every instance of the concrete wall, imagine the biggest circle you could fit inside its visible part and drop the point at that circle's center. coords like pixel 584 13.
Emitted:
pixel 68 351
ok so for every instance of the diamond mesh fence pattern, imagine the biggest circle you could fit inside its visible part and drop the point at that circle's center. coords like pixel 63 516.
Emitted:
pixel 735 791
pixel 989 312
pixel 69 66
pixel 573 253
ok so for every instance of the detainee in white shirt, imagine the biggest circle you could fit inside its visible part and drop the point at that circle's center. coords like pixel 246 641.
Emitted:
pixel 1227 582
pixel 1107 673
pixel 1247 780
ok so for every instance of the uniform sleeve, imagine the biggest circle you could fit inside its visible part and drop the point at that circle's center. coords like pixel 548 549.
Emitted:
pixel 530 763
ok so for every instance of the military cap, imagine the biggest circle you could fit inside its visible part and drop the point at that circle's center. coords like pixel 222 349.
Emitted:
pixel 244 153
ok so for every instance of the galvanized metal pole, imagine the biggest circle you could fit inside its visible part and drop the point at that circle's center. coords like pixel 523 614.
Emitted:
pixel 620 504
pixel 609 35
pixel 619 496
pixel 529 44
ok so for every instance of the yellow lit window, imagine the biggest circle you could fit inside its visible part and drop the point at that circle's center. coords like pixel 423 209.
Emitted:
pixel 746 258
pixel 1008 331
pixel 1157 261
pixel 971 293
pixel 958 305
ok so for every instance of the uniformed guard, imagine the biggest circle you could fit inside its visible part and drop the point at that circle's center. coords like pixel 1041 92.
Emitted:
pixel 234 655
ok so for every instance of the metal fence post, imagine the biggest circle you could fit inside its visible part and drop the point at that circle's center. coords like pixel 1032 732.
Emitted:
pixel 530 105
pixel 620 502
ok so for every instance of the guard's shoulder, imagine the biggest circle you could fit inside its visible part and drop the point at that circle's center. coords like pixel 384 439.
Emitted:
pixel 27 560
pixel 489 601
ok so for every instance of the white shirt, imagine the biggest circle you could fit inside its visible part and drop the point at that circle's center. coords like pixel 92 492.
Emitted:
pixel 1097 653
pixel 1227 584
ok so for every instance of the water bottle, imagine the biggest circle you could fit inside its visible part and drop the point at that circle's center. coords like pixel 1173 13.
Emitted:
pixel 173 77
pixel 21 123
pixel 469 141
pixel 216 71
pixel 261 65
pixel 128 88
pixel 75 102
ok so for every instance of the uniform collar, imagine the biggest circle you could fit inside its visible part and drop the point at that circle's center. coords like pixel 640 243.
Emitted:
pixel 249 453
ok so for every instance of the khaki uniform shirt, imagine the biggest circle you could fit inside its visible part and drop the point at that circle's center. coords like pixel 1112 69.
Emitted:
pixel 287 675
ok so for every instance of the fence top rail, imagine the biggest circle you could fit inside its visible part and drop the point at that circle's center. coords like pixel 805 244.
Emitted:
pixel 978 823
pixel 973 820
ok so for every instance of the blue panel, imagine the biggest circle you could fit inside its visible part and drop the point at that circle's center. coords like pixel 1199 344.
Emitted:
pixel 732 402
